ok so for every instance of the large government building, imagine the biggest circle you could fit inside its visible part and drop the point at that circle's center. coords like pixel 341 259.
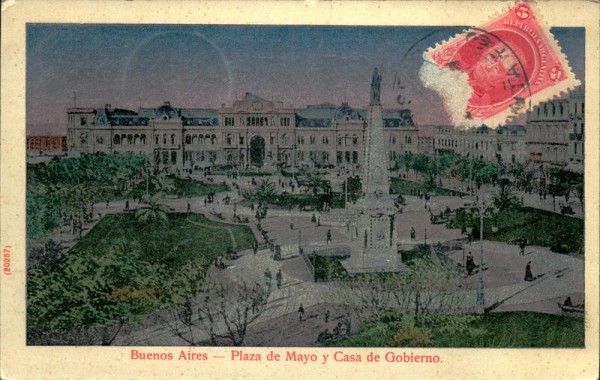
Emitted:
pixel 253 132
pixel 258 133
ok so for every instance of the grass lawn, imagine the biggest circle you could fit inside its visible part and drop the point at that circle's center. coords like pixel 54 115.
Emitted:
pixel 187 237
pixel 511 330
pixel 561 233
pixel 122 267
pixel 402 186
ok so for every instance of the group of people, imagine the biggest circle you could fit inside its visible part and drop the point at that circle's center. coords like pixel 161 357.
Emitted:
pixel 278 278
pixel 342 329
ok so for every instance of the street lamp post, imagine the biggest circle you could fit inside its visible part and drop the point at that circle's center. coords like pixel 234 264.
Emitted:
pixel 480 292
pixel 480 298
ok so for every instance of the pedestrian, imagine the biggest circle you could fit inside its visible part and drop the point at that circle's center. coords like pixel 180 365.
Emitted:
pixel 328 236
pixel 327 316
pixel 522 246
pixel 470 264
pixel 189 207
pixel 528 274
pixel 279 278
pixel 255 247
pixel 268 276
pixel 107 203
pixel 413 233
pixel 127 204
pixel 301 312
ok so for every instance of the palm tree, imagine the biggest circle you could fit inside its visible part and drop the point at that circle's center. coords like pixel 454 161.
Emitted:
pixel 265 191
pixel 163 183
pixel 154 211
pixel 316 183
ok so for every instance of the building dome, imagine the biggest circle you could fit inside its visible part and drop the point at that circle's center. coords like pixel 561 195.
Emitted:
pixel 165 112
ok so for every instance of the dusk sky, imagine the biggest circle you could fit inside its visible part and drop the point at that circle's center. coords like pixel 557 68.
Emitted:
pixel 130 66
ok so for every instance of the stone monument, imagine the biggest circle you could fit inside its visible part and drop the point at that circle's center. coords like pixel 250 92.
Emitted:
pixel 375 239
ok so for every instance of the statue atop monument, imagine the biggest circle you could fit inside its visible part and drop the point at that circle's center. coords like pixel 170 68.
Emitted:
pixel 375 88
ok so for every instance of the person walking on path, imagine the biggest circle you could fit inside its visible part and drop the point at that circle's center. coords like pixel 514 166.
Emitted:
pixel 254 247
pixel 327 316
pixel 470 264
pixel 268 277
pixel 413 234
pixel 127 204
pixel 328 236
pixel 522 246
pixel 301 312
pixel 279 279
pixel 528 274
pixel 189 207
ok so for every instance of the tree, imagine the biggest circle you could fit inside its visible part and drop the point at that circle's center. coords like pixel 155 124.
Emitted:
pixel 162 183
pixel 225 307
pixel 317 184
pixel 505 199
pixel 426 298
pixel 265 192
pixel 153 212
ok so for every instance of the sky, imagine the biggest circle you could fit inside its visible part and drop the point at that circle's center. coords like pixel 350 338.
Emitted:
pixel 130 66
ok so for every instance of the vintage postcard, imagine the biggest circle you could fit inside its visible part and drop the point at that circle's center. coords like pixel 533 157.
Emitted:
pixel 286 189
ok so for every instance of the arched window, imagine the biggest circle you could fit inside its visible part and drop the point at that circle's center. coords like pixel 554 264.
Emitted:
pixel 409 140
pixel 213 139
pixel 284 139
pixel 346 140
pixel 136 139
pixel 312 139
pixel 325 140
pixel 172 139
pixel 143 139
pixel 188 139
pixel 129 139
pixel 354 157
pixel 393 140
pixel 355 140
pixel 194 139
pixel 165 139
pixel 117 139
pixel 228 140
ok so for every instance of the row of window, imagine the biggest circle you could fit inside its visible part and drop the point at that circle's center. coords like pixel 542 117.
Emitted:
pixel 258 121
pixel 195 139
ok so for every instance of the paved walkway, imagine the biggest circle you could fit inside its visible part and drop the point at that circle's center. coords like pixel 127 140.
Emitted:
pixel 557 276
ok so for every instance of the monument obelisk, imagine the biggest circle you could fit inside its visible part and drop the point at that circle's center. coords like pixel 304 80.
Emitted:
pixel 375 247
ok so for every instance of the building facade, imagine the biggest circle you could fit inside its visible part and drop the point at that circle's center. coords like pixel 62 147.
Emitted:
pixel 253 132
pixel 505 144
pixel 46 144
pixel 576 134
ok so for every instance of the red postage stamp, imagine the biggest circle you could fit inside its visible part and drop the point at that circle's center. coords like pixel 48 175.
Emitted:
pixel 511 63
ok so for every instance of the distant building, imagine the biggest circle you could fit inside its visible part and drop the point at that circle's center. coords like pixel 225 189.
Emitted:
pixel 46 144
pixel 548 128
pixel 253 132
pixel 504 144
pixel 576 134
